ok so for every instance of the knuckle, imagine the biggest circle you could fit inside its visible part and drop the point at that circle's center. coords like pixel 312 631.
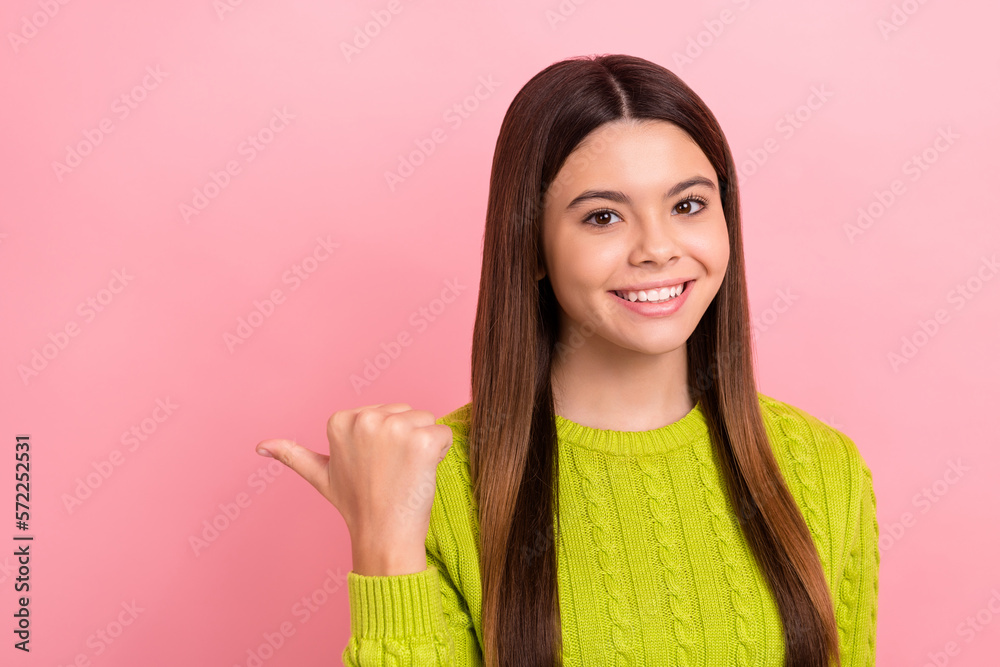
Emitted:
pixel 396 423
pixel 337 422
pixel 424 440
pixel 368 419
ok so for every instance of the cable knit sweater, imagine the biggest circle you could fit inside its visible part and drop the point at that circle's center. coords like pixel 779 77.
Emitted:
pixel 653 568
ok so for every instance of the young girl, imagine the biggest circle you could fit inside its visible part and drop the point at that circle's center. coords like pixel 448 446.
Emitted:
pixel 617 491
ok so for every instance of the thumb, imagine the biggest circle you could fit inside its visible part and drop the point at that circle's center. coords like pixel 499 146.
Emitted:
pixel 308 464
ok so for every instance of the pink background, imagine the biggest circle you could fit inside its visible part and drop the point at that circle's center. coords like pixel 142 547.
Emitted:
pixel 832 307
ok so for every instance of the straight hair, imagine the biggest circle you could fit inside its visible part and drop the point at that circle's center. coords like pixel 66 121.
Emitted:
pixel 512 439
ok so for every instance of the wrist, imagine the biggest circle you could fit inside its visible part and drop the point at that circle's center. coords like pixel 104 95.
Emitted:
pixel 381 560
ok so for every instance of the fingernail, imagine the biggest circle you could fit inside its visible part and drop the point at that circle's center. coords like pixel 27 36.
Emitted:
pixel 264 452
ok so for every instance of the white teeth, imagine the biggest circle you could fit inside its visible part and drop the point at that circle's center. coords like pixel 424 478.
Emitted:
pixel 664 294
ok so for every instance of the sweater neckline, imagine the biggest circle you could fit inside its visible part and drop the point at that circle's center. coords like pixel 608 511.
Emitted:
pixel 689 428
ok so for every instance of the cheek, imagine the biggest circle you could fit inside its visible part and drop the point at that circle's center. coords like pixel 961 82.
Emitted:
pixel 721 248
pixel 710 246
pixel 582 262
pixel 578 271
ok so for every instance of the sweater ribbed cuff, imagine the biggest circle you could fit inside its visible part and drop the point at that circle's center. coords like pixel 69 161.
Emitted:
pixel 396 605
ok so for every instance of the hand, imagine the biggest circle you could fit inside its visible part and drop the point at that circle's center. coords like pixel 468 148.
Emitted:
pixel 380 474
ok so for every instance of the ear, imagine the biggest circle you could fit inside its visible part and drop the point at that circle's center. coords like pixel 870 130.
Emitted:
pixel 539 274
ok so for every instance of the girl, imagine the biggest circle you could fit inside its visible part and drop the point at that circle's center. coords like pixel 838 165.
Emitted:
pixel 617 491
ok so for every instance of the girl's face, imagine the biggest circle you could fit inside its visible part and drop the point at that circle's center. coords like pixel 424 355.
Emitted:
pixel 635 205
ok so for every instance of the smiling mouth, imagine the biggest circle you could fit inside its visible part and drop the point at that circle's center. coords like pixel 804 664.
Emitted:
pixel 653 296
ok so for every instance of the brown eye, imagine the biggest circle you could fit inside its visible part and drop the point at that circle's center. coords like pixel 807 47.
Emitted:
pixel 600 218
pixel 684 207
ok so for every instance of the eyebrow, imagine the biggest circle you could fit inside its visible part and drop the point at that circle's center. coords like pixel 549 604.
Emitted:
pixel 622 198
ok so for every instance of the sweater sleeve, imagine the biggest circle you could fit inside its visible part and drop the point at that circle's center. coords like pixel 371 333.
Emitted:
pixel 857 604
pixel 421 619
pixel 409 620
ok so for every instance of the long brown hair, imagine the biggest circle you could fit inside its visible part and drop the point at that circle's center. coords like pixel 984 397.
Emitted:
pixel 512 439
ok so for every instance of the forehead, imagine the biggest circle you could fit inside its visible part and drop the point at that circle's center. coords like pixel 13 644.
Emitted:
pixel 639 153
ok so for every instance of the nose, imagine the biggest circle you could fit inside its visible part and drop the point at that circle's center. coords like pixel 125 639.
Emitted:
pixel 655 240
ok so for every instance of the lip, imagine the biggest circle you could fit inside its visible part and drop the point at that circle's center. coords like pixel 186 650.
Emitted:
pixel 661 309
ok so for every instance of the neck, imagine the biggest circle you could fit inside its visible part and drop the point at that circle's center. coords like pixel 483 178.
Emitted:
pixel 609 387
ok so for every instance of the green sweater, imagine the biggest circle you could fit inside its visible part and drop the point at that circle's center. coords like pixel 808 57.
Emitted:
pixel 653 568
